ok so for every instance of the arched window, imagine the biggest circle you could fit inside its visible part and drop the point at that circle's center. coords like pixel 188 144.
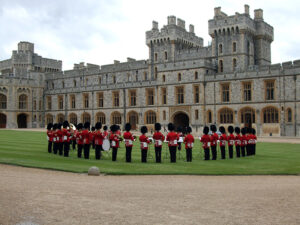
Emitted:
pixel 150 117
pixel 226 115
pixel 86 100
pixel 221 66
pixel 49 118
pixel 271 115
pixel 116 118
pixel 220 48
pixel 60 118
pixel 23 101
pixel 179 77
pixel 289 115
pixel 73 118
pixel 100 117
pixel 3 101
pixel 247 115
pixel 86 118
pixel 133 119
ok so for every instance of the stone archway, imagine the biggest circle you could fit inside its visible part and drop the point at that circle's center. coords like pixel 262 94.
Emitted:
pixel 22 120
pixel 2 120
pixel 181 119
pixel 133 119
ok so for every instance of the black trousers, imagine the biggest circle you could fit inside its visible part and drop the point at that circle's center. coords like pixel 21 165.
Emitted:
pixel 114 154
pixel 86 149
pixel 79 151
pixel 230 151
pixel 94 144
pixel 248 150
pixel 66 149
pixel 238 151
pixel 214 152
pixel 254 149
pixel 73 144
pixel 179 146
pixel 189 156
pixel 98 149
pixel 243 151
pixel 144 155
pixel 222 152
pixel 128 154
pixel 49 146
pixel 60 148
pixel 55 147
pixel 172 150
pixel 206 154
pixel 158 154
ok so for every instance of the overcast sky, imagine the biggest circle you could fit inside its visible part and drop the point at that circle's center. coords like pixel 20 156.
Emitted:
pixel 100 31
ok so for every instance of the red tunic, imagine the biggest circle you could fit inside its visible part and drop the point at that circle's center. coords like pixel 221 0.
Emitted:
pixel 86 137
pixel 128 138
pixel 50 135
pixel 59 136
pixel 214 138
pixel 230 140
pixel 158 138
pixel 105 134
pixel 79 138
pixel 189 141
pixel 244 140
pixel 114 140
pixel 144 142
pixel 74 135
pixel 205 139
pixel 238 140
pixel 98 138
pixel 223 139
pixel 65 135
pixel 172 138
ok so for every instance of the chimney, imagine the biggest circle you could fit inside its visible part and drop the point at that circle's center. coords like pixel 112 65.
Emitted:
pixel 246 9
pixel 171 20
pixel 258 14
pixel 217 11
pixel 154 25
pixel 192 28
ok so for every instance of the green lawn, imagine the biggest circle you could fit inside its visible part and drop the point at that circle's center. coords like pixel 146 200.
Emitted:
pixel 29 149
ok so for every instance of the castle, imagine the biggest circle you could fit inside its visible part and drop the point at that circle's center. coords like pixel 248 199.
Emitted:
pixel 229 82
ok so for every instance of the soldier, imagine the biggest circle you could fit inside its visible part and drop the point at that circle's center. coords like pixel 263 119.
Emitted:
pixel 73 139
pixel 214 141
pixel 180 137
pixel 223 139
pixel 98 140
pixel 238 142
pixel 244 141
pixel 189 143
pixel 254 141
pixel 105 132
pixel 172 138
pixel 86 140
pixel 66 138
pixel 128 137
pixel 114 139
pixel 205 139
pixel 50 136
pixel 158 138
pixel 92 137
pixel 60 139
pixel 79 140
pixel 144 140
pixel 55 141
pixel 231 141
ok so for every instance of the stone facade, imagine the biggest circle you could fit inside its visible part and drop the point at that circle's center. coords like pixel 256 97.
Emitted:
pixel 230 82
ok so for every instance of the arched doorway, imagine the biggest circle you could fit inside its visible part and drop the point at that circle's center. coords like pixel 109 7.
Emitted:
pixel 2 120
pixel 181 119
pixel 133 119
pixel 22 120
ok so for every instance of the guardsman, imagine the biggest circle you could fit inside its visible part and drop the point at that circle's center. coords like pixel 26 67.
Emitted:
pixel 128 138
pixel 205 139
pixel 50 136
pixel 189 143
pixel 230 141
pixel 238 142
pixel 114 141
pixel 144 140
pixel 248 146
pixel 55 141
pixel 172 138
pixel 92 137
pixel 214 141
pixel 158 138
pixel 254 140
pixel 98 140
pixel 244 141
pixel 223 139
pixel 66 138
pixel 180 137
pixel 73 139
pixel 86 140
pixel 60 139
pixel 105 132
pixel 79 140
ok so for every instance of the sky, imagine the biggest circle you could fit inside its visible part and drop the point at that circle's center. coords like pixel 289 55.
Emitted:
pixel 101 31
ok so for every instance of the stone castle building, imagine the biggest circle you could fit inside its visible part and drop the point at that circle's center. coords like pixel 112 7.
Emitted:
pixel 229 82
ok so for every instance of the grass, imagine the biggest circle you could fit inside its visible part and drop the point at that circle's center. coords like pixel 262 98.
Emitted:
pixel 29 149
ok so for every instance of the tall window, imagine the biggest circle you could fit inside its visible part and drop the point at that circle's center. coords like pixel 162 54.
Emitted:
pixel 196 94
pixel 180 95
pixel 209 116
pixel 164 78
pixel 196 75
pixel 74 83
pixel 155 57
pixel 100 117
pixel 247 92
pixel 86 118
pixel 49 102
pixel 22 101
pixel 116 99
pixel 247 115
pixel 164 115
pixel 271 115
pixel 270 92
pixel 234 47
pixel 34 105
pixel 60 102
pixel 220 66
pixel 164 96
pixel 234 64
pixel 155 73
pixel 289 115
pixel 3 101
pixel 179 77
pixel 73 118
pixel 116 118
pixel 49 119
pixel 100 100
pixel 114 79
pixel 150 117
pixel 86 101
pixel 40 104
pixel 150 97
pixel 226 116
pixel 166 55
pixel 225 93
pixel 196 114
pixel 220 48
pixel 99 80
pixel 73 102
pixel 132 98
pixel 145 76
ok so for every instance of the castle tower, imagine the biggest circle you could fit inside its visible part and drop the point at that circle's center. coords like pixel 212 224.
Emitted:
pixel 239 42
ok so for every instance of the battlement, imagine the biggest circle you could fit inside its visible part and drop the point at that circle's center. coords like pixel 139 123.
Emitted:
pixel 25 46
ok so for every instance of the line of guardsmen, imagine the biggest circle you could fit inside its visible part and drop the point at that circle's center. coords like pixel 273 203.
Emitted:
pixel 61 136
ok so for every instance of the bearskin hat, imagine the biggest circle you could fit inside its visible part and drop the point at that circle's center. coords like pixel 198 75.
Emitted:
pixel 93 129
pixel 114 128
pixel 213 128
pixel 171 127
pixel 118 127
pixel 87 125
pixel 189 130
pixel 243 131
pixel 157 126
pixel 65 124
pixel 49 126
pixel 205 130
pixel 253 131
pixel 237 130
pixel 55 126
pixel 144 129
pixel 59 125
pixel 98 125
pixel 222 130
pixel 179 129
pixel 105 127
pixel 79 126
pixel 127 127
pixel 230 129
